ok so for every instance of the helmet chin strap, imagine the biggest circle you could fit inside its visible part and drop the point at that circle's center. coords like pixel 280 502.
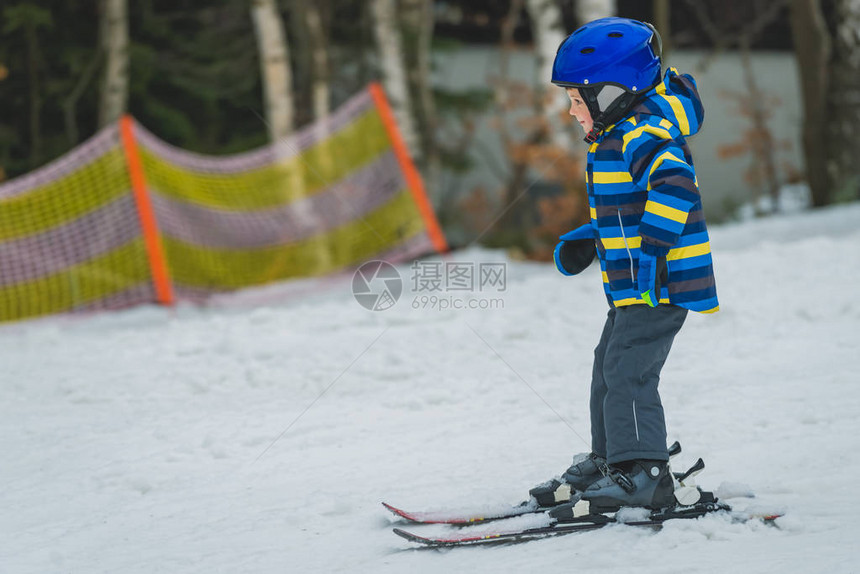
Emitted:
pixel 612 111
pixel 589 94
pixel 592 135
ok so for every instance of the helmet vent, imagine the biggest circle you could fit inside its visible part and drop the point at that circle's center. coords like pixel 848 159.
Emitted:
pixel 587 51
pixel 615 34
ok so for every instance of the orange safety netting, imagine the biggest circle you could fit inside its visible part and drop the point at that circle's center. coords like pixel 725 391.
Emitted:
pixel 126 219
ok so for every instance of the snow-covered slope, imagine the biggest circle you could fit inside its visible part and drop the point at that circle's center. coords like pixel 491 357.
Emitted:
pixel 263 440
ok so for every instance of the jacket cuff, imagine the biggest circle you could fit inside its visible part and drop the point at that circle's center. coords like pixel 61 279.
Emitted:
pixel 654 250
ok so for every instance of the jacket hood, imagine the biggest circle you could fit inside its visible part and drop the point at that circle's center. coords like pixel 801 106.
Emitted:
pixel 676 99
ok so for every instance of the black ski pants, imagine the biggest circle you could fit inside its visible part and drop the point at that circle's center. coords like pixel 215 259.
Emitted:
pixel 627 419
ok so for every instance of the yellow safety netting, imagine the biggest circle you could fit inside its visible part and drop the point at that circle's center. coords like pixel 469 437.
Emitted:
pixel 127 219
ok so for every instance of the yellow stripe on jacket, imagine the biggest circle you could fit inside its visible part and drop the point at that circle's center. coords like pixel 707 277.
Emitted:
pixel 612 177
pixel 665 211
pixel 677 107
pixel 691 251
pixel 665 156
pixel 662 132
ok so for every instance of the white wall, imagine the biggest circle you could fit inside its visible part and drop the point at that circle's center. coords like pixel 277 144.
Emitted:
pixel 722 181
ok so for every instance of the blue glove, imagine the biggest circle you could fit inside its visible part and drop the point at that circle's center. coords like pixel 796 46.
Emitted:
pixel 651 267
pixel 575 251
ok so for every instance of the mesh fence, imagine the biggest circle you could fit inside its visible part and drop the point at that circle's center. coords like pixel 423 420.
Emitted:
pixel 126 218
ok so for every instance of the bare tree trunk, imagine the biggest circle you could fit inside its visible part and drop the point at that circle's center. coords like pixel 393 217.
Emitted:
pixel 502 88
pixel 275 67
pixel 812 49
pixel 588 10
pixel 418 20
pixel 280 108
pixel 512 220
pixel 548 31
pixel 320 96
pixel 301 59
pixel 844 116
pixel 662 21
pixel 422 78
pixel 319 84
pixel 114 36
pixel 390 45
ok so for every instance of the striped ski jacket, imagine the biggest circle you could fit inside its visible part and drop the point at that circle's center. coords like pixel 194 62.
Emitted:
pixel 644 196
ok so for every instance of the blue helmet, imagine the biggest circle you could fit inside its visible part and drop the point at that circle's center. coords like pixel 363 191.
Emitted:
pixel 611 61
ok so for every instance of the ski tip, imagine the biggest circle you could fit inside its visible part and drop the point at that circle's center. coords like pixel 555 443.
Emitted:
pixel 400 513
pixel 437 517
pixel 413 537
pixel 448 542
pixel 396 511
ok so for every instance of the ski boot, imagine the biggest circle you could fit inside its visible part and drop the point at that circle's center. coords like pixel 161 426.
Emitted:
pixel 589 503
pixel 646 483
pixel 586 469
pixel 643 483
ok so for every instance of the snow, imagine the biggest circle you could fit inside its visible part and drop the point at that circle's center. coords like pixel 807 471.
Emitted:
pixel 793 198
pixel 239 439
pixel 632 514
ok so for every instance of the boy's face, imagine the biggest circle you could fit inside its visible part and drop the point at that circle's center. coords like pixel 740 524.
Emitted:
pixel 579 110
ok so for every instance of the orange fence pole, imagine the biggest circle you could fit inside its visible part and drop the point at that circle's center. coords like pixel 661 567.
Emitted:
pixel 410 173
pixel 151 236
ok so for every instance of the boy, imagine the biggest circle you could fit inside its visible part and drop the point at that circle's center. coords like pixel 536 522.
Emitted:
pixel 650 236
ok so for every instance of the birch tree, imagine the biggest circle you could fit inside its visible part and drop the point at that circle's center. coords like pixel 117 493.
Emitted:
pixel 114 37
pixel 318 73
pixel 588 10
pixel 418 25
pixel 390 45
pixel 662 13
pixel 504 102
pixel 277 88
pixel 548 31
pixel 319 69
pixel 274 67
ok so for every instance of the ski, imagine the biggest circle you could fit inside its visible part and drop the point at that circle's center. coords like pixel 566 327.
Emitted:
pixel 593 522
pixel 502 536
pixel 467 517
pixel 555 492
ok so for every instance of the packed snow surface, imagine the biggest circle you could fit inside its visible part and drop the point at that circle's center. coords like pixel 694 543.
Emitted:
pixel 262 438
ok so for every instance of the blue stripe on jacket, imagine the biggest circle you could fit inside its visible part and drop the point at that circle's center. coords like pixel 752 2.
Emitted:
pixel 644 195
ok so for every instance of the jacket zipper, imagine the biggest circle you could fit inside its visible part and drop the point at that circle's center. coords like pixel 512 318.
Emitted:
pixel 627 246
